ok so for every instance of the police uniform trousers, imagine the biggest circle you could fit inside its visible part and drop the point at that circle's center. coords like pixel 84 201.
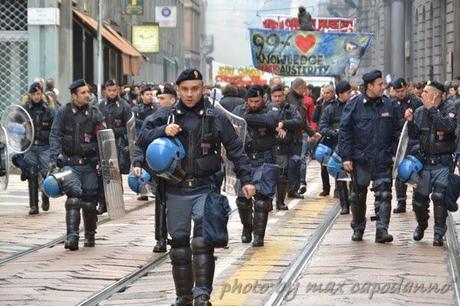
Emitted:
pixel 191 263
pixel 37 159
pixel 433 180
pixel 265 181
pixel 381 185
pixel 306 152
pixel 294 167
pixel 81 188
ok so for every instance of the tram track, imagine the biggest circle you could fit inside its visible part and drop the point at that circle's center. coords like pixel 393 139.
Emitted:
pixel 453 249
pixel 127 280
pixel 61 239
pixel 291 275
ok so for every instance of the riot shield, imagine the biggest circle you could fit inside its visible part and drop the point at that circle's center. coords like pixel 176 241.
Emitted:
pixel 4 159
pixel 402 148
pixel 131 128
pixel 240 125
pixel 111 176
pixel 19 128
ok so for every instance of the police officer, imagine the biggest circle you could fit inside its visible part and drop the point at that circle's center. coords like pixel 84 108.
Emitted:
pixel 259 148
pixel 166 96
pixel 433 125
pixel 144 107
pixel 368 134
pixel 329 128
pixel 73 135
pixel 402 101
pixel 36 159
pixel 288 126
pixel 117 112
pixel 201 131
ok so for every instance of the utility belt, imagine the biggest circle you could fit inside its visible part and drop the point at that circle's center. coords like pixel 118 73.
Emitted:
pixel 78 161
pixel 193 183
pixel 39 142
pixel 431 160
pixel 282 149
pixel 259 155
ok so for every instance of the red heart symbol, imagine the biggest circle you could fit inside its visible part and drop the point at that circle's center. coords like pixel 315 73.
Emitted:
pixel 305 42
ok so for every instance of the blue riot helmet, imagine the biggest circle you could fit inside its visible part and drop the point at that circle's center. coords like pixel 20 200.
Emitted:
pixel 409 169
pixel 53 184
pixel 163 157
pixel 136 183
pixel 322 153
pixel 335 167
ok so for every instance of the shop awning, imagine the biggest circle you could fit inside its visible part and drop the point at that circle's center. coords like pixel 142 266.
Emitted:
pixel 131 58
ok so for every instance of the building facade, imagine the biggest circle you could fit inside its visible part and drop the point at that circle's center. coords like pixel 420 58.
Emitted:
pixel 416 39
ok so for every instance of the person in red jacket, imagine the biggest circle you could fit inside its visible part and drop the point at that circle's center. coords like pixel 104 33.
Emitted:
pixel 306 151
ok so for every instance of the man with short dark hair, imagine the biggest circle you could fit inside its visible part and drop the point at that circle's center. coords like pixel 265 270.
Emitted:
pixel 74 135
pixel 368 135
pixel 433 126
pixel 231 98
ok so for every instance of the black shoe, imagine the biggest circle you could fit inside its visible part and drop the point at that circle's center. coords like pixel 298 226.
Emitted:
pixel 143 198
pixel 71 243
pixel 281 206
pixel 302 189
pixel 382 236
pixel 202 300
pixel 401 208
pixel 183 301
pixel 160 246
pixel 418 233
pixel 45 202
pixel 246 235
pixel 345 210
pixel 437 240
pixel 324 193
pixel 357 235
pixel 295 195
pixel 33 210
pixel 90 241
pixel 258 241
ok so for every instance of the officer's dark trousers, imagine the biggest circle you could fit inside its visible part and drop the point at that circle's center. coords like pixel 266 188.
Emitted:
pixel 191 263
pixel 282 186
pixel 381 185
pixel 433 181
pixel 81 189
pixel 160 218
pixel 325 179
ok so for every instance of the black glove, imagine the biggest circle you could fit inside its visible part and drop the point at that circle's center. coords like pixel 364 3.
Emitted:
pixel 52 169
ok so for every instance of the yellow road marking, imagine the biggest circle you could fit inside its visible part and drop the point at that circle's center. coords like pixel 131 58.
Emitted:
pixel 249 277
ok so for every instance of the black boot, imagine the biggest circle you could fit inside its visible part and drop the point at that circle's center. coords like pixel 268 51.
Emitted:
pixel 357 235
pixel 202 300
pixel 260 221
pixel 343 196
pixel 245 210
pixel 72 217
pixel 383 219
pixel 203 268
pixel 401 190
pixel 295 195
pixel 45 202
pixel 160 246
pixel 358 212
pixel 161 232
pixel 33 193
pixel 439 216
pixel 281 190
pixel 181 260
pixel 420 205
pixel 382 236
pixel 438 240
pixel 90 220
pixel 401 208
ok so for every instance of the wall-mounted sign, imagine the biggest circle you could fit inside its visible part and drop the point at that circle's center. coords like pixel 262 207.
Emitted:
pixel 166 16
pixel 43 16
pixel 134 7
pixel 146 38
